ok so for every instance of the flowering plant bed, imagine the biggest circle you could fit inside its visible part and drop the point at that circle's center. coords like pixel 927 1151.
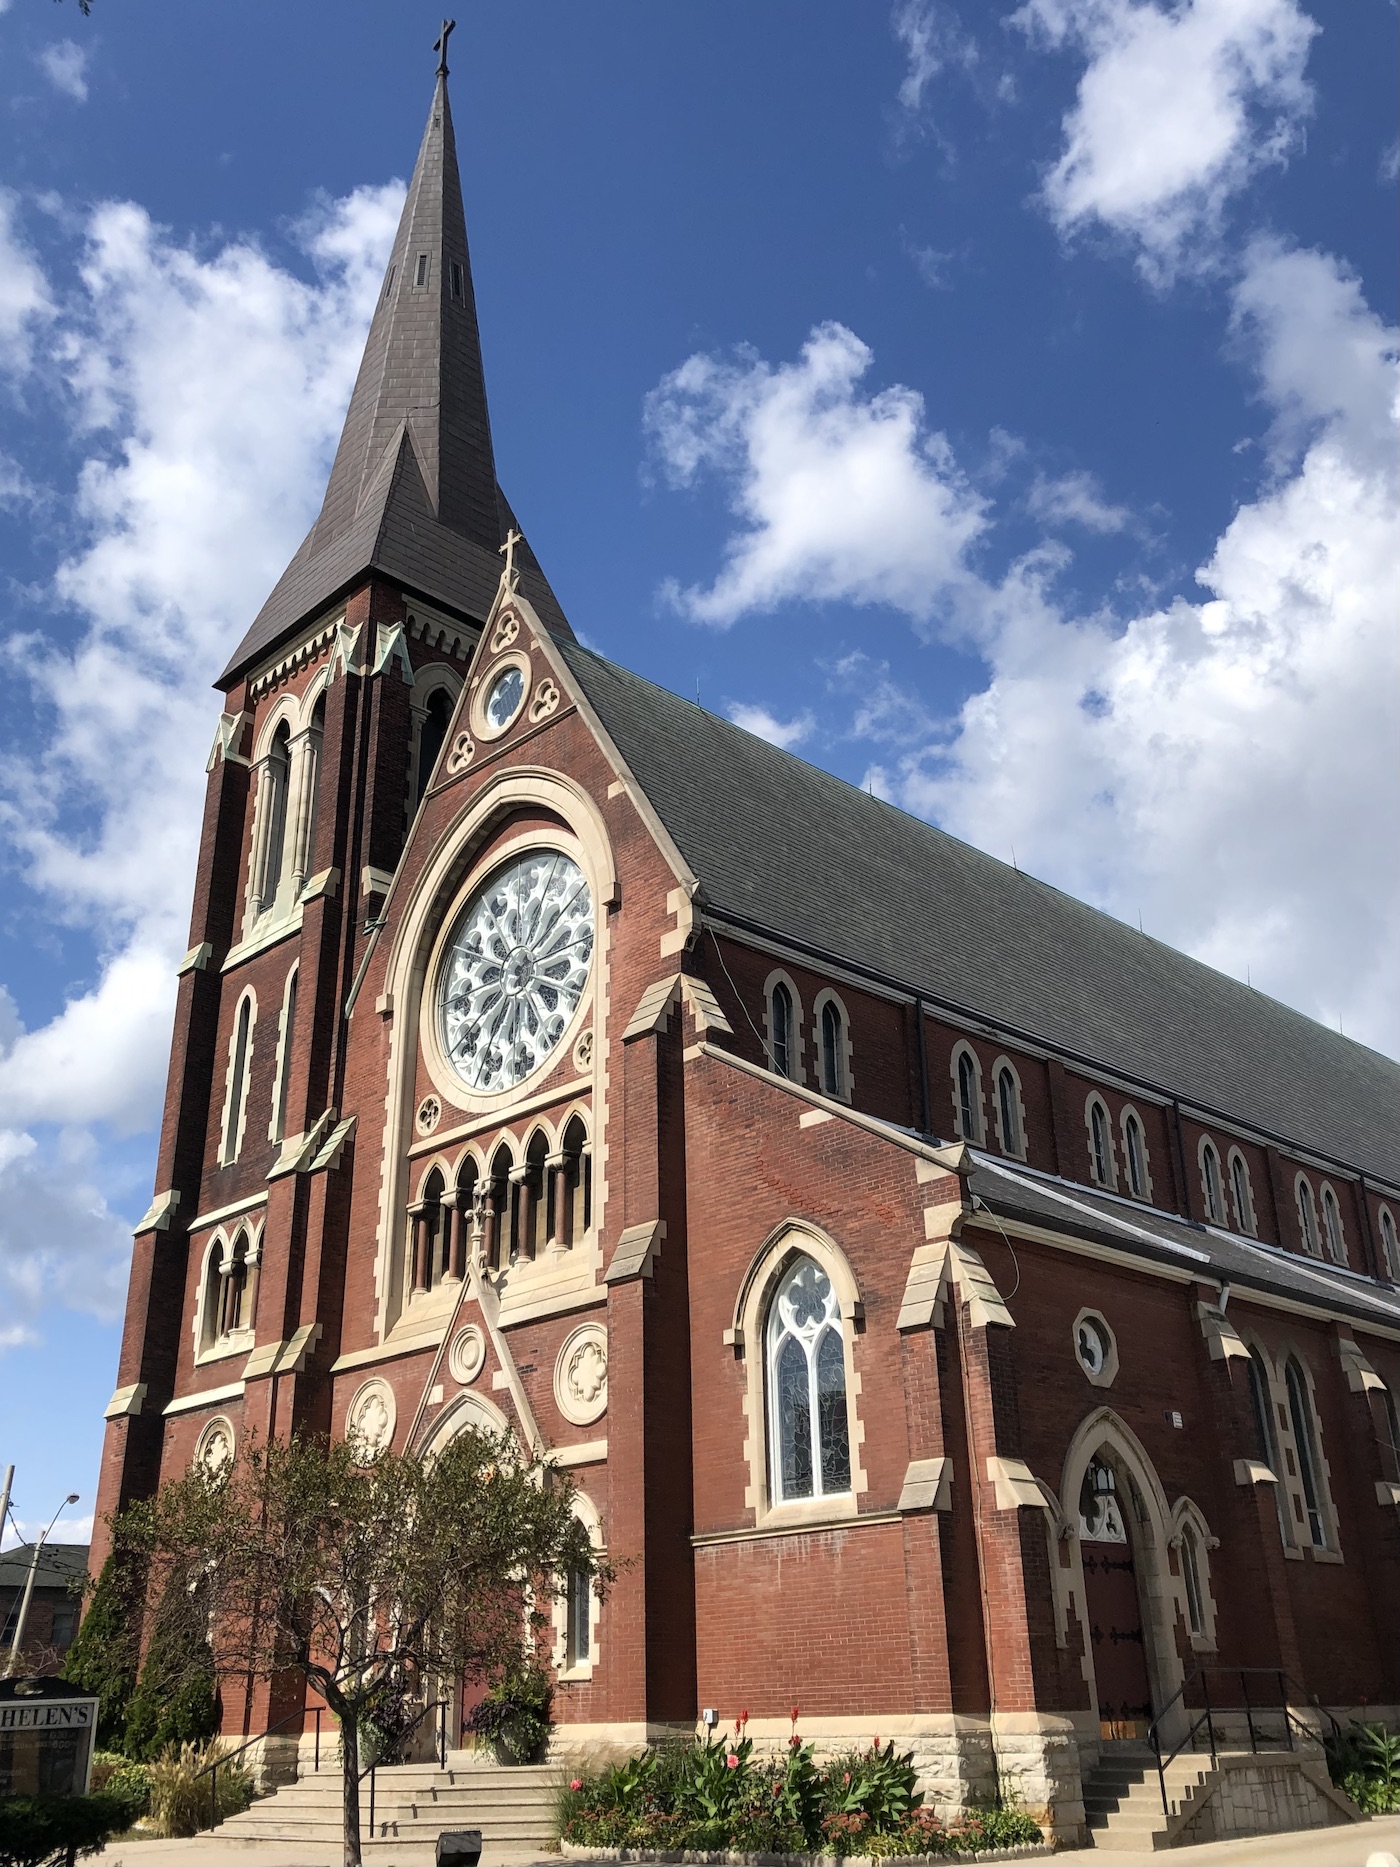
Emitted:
pixel 716 1801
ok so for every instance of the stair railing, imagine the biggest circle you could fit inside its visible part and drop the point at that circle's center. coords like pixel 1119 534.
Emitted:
pixel 211 1770
pixel 1200 1675
pixel 370 1770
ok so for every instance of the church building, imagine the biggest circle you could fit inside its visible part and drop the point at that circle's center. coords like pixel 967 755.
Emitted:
pixel 965 1319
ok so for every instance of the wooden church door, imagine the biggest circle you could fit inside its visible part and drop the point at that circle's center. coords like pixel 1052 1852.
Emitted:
pixel 1114 1608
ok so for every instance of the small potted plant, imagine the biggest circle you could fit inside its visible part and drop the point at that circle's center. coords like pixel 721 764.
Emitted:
pixel 514 1715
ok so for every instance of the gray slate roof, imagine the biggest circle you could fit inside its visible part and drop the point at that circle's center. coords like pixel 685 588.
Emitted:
pixel 787 847
pixel 412 490
pixel 1159 1237
pixel 59 1564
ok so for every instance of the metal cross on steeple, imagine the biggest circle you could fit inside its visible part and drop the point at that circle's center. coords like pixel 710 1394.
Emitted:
pixel 510 576
pixel 440 46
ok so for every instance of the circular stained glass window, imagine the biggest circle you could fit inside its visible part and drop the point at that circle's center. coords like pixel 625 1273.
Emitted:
pixel 516 966
pixel 1091 1345
pixel 504 700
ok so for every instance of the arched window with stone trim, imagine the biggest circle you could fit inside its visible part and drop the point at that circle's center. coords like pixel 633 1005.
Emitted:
pixel 1243 1194
pixel 1332 1226
pixel 1135 1154
pixel 1191 1579
pixel 1305 1441
pixel 536 1186
pixel 1011 1127
pixel 1102 1168
pixel 967 1092
pixel 833 1037
pixel 578 1610
pixel 286 1032
pixel 240 1057
pixel 576 1184
pixel 437 717
pixel 1390 1245
pixel 1307 1215
pixel 1212 1181
pixel 229 1294
pixel 1266 1435
pixel 429 1235
pixel 499 1244
pixel 809 1430
pixel 273 796
pixel 782 1027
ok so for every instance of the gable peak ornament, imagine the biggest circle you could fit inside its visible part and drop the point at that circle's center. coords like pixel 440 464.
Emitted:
pixel 510 576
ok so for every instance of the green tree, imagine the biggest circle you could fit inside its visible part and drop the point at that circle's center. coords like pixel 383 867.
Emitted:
pixel 366 1574
pixel 176 1700
pixel 103 1659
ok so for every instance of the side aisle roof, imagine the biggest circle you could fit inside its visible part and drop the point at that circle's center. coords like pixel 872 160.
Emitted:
pixel 788 848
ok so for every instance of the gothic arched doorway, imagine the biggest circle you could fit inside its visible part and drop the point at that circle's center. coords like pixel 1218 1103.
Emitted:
pixel 1113 1605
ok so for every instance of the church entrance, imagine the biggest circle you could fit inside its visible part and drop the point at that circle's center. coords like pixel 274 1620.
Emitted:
pixel 1114 1607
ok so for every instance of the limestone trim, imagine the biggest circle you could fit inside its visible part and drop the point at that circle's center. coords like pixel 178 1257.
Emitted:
pixel 1254 1472
pixel 1333 1227
pixel 1241 1192
pixel 286 1019
pixel 218 1214
pixel 1098 1126
pixel 216 1261
pixel 1291 1355
pixel 227 735
pixel 1390 1243
pixel 1149 1517
pixel 468 1408
pixel 484 682
pixel 126 1402
pixel 1192 1540
pixel 636 1251
pixel 196 960
pixel 1132 1134
pixel 1360 1375
pixel 206 1397
pixel 942 1265
pixel 1015 1484
pixel 298 654
pixel 1223 1341
pixel 1098 1338
pixel 794 1238
pixel 812 1525
pixel 928 1485
pixel 796 1071
pixel 975 1112
pixel 1306 1201
pixel 1012 1144
pixel 581 1374
pixel 567 1669
pixel 845 1056
pixel 433 677
pixel 659 1000
pixel 238 1076
pixel 159 1214
pixel 423 926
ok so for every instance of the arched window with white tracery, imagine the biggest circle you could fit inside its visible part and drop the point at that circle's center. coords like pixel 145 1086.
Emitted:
pixel 967 1088
pixel 1211 1183
pixel 1390 1245
pixel 809 1428
pixel 1009 1114
pixel 273 786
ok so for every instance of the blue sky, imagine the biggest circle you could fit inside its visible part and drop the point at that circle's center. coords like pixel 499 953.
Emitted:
pixel 997 406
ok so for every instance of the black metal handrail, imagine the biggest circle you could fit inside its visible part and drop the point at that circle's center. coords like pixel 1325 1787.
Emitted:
pixel 440 1706
pixel 211 1770
pixel 1201 1675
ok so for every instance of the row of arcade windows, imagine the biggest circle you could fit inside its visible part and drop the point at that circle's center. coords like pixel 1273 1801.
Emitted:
pixel 229 1295
pixel 542 1204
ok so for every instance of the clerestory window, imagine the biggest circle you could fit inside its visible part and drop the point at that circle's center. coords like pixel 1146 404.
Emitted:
pixel 1332 1226
pixel 833 1050
pixel 1212 1183
pixel 781 1030
pixel 1100 1144
pixel 809 1430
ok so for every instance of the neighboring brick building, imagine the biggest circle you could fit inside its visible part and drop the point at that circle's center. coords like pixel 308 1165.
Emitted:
pixel 54 1606
pixel 965 1316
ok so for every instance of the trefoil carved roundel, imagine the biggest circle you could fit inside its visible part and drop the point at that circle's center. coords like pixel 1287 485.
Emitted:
pixel 429 1114
pixel 514 970
pixel 467 1356
pixel 371 1417
pixel 1095 1348
pixel 581 1374
pixel 214 1450
pixel 546 700
pixel 505 632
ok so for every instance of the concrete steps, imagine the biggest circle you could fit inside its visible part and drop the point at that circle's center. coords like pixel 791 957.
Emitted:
pixel 515 1809
pixel 1123 1797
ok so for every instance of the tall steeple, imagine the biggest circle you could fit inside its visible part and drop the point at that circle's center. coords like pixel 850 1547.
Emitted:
pixel 412 490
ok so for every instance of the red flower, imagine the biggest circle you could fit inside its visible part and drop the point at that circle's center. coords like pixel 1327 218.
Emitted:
pixel 731 1762
pixel 794 1714
pixel 743 1717
pixel 576 1783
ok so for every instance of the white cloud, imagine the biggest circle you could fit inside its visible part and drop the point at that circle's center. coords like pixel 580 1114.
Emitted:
pixel 844 497
pixel 1227 766
pixel 207 391
pixel 24 291
pixel 65 66
pixel 1075 499
pixel 932 37
pixel 59 1241
pixel 1176 109
pixel 757 719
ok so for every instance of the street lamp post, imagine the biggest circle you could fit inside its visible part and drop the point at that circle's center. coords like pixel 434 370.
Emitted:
pixel 17 1644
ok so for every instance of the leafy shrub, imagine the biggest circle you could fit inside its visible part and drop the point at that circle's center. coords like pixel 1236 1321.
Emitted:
pixel 716 1795
pixel 176 1700
pixel 182 1796
pixel 102 1659
pixel 33 1829
pixel 1364 1761
pixel 127 1782
pixel 515 1713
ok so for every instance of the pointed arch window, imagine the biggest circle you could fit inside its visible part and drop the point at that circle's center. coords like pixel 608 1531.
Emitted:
pixel 1390 1245
pixel 236 1083
pixel 1300 1416
pixel 1262 1402
pixel 277 1128
pixel 1135 1150
pixel 430 1235
pixel 226 1316
pixel 1332 1226
pixel 274 784
pixel 1191 1577
pixel 576 1185
pixel 1009 1112
pixel 437 717
pixel 809 1430
pixel 833 1049
pixel 1100 1143
pixel 780 1029
pixel 1212 1184
pixel 1243 1193
pixel 1307 1216
pixel 967 1080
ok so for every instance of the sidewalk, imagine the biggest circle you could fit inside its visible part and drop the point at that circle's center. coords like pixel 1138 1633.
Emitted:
pixel 1364 1844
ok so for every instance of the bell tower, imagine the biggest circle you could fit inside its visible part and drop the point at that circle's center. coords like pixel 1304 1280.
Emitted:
pixel 334 705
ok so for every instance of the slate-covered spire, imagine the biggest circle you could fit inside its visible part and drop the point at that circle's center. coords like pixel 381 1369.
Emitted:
pixel 412 490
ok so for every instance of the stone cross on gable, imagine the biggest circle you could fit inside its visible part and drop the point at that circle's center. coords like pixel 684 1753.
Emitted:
pixel 440 46
pixel 511 576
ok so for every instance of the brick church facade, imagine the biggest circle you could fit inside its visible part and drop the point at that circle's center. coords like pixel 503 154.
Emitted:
pixel 964 1317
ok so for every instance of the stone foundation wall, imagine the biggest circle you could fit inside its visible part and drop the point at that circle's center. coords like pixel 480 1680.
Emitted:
pixel 1262 1795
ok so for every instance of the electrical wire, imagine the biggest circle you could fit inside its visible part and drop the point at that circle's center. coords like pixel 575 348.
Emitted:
pixel 980 1205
